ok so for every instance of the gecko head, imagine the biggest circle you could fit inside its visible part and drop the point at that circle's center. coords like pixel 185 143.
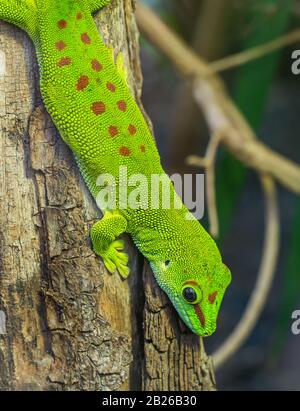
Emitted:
pixel 196 289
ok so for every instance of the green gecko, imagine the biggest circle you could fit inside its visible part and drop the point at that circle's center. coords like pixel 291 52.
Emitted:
pixel 88 98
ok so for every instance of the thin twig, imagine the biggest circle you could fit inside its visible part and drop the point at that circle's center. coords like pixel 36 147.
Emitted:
pixel 212 95
pixel 255 52
pixel 208 163
pixel 265 278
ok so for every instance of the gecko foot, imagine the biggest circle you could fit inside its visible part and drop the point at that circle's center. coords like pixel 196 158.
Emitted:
pixel 115 258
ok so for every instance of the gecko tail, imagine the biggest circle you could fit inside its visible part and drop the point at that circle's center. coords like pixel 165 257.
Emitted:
pixel 21 13
pixel 95 5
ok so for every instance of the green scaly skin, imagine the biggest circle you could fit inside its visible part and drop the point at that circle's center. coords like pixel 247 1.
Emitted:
pixel 88 98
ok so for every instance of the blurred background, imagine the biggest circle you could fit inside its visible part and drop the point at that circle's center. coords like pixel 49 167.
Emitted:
pixel 268 94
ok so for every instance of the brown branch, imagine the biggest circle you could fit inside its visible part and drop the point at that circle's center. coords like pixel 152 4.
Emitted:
pixel 217 106
pixel 264 281
pixel 208 162
pixel 255 52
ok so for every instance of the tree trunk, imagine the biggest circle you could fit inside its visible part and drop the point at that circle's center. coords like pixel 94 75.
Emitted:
pixel 65 323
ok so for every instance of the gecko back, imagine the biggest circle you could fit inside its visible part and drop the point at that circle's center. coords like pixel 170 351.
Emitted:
pixel 87 95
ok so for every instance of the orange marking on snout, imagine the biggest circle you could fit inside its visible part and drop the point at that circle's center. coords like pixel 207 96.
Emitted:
pixel 212 297
pixel 200 314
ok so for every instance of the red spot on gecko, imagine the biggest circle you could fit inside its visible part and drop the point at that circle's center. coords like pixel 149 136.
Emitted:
pixel 96 65
pixel 122 106
pixel 124 151
pixel 65 61
pixel 79 15
pixel 200 314
pixel 85 38
pixel 60 45
pixel 142 148
pixel 132 129
pixel 113 131
pixel 98 107
pixel 82 83
pixel 62 24
pixel 111 87
pixel 212 297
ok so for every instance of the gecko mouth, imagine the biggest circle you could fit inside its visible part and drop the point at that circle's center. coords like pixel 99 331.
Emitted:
pixel 202 327
pixel 185 317
pixel 183 314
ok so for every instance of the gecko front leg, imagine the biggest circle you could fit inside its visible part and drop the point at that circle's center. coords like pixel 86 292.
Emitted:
pixel 103 236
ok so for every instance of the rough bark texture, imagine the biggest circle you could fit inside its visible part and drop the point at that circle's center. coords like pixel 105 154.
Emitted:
pixel 65 323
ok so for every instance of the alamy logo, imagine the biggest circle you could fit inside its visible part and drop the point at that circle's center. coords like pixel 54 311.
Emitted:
pixel 155 191
pixel 296 323
pixel 2 323
pixel 296 63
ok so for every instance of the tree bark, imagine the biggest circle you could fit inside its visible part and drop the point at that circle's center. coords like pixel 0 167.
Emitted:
pixel 65 323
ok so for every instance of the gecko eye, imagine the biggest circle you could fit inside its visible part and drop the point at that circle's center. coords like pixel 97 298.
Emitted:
pixel 192 295
pixel 167 263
